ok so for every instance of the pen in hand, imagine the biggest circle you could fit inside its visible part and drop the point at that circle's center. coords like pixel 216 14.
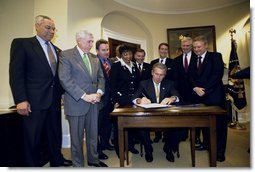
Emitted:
pixel 145 100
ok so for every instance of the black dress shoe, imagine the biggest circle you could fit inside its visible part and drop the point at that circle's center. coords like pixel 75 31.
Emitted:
pixel 100 164
pixel 220 158
pixel 170 157
pixel 102 156
pixel 201 147
pixel 65 163
pixel 148 157
pixel 133 150
pixel 198 141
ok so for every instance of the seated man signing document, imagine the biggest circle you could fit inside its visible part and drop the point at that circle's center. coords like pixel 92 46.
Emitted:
pixel 162 91
pixel 157 89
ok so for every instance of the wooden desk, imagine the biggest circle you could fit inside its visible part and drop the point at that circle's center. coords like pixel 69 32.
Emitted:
pixel 179 116
pixel 11 144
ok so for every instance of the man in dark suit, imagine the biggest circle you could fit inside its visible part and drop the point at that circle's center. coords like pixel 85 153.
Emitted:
pixel 163 58
pixel 82 78
pixel 37 93
pixel 143 67
pixel 182 75
pixel 158 90
pixel 208 89
pixel 104 119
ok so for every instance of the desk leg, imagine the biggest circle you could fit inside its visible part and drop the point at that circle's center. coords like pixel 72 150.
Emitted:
pixel 126 145
pixel 192 145
pixel 121 143
pixel 213 151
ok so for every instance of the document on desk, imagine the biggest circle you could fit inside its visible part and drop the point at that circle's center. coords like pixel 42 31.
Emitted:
pixel 153 105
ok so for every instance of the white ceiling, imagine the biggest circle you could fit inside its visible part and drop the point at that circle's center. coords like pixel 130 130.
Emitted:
pixel 177 6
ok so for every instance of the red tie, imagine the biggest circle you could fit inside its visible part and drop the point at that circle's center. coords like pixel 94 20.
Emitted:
pixel 106 67
pixel 186 65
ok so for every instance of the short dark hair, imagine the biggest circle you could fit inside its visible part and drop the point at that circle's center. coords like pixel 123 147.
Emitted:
pixel 163 43
pixel 99 42
pixel 140 50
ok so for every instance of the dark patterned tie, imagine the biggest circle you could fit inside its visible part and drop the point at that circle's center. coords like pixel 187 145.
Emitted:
pixel 139 67
pixel 199 64
pixel 186 65
pixel 106 67
pixel 53 63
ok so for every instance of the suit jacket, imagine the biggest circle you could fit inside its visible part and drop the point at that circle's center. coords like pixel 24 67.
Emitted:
pixel 106 97
pixel 146 88
pixel 210 78
pixel 146 71
pixel 123 84
pixel 182 79
pixel 170 67
pixel 31 78
pixel 76 80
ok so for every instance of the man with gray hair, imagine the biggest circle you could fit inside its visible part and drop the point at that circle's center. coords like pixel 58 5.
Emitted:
pixel 37 93
pixel 82 78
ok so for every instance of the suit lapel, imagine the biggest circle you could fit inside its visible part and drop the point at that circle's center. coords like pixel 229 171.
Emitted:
pixel 162 91
pixel 40 53
pixel 80 62
pixel 204 63
pixel 151 91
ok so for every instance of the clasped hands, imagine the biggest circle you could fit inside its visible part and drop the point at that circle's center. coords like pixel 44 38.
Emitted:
pixel 92 98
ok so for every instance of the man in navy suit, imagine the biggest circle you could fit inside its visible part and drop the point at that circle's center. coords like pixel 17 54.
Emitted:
pixel 208 88
pixel 164 59
pixel 37 92
pixel 143 67
pixel 104 119
pixel 158 90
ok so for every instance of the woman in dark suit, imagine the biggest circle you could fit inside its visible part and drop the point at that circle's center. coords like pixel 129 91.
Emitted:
pixel 124 80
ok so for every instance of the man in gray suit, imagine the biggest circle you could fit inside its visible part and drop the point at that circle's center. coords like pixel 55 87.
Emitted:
pixel 82 78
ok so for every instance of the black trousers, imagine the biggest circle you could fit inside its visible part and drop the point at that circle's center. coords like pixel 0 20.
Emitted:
pixel 104 127
pixel 42 128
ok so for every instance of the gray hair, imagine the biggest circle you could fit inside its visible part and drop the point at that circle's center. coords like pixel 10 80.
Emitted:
pixel 187 39
pixel 82 34
pixel 40 18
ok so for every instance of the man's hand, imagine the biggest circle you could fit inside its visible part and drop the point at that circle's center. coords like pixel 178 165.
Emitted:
pixel 168 100
pixel 23 108
pixel 200 91
pixel 144 100
pixel 92 98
